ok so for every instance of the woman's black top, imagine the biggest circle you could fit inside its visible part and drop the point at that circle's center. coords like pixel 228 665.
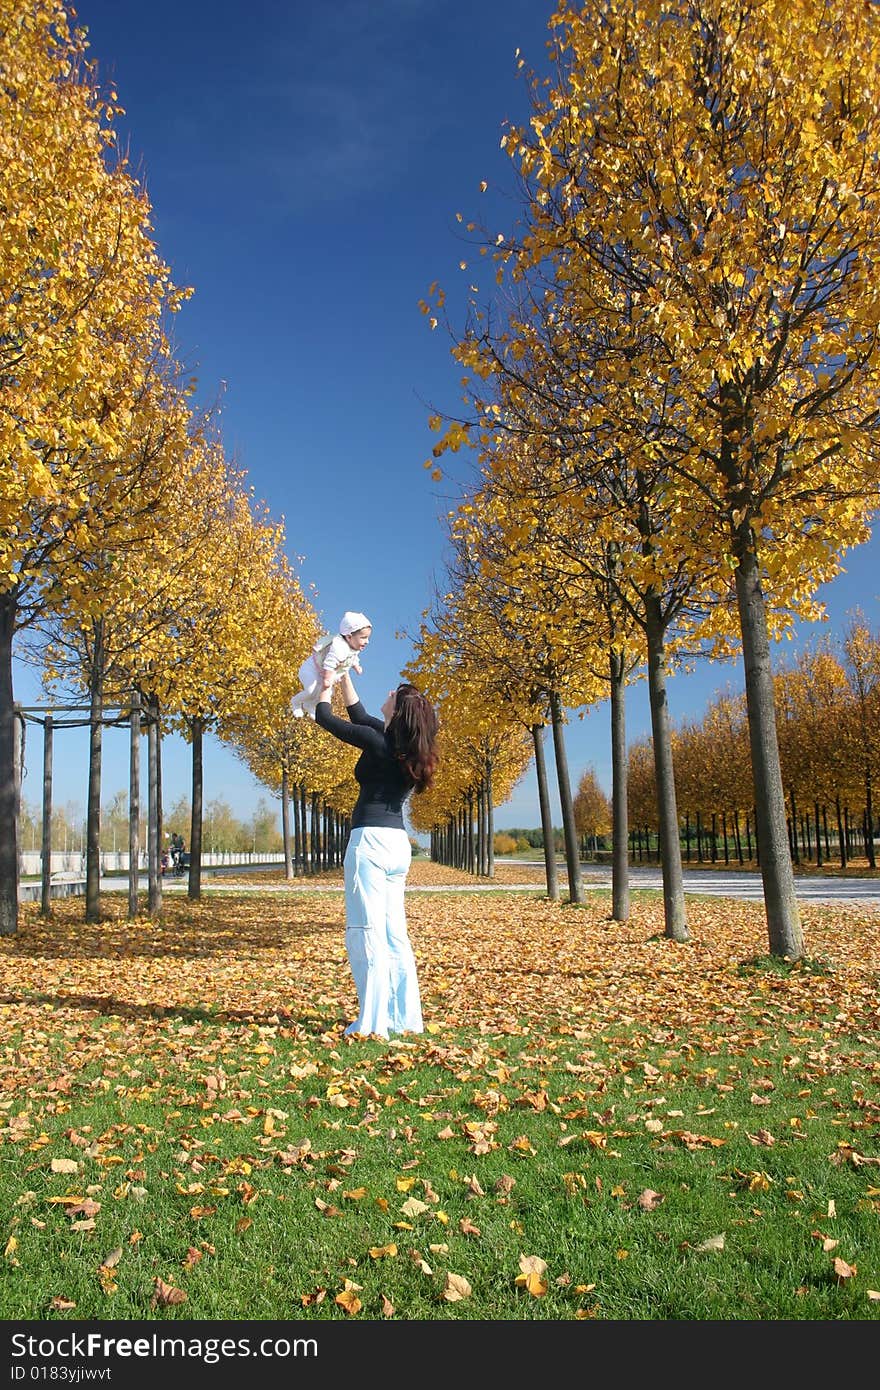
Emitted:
pixel 383 780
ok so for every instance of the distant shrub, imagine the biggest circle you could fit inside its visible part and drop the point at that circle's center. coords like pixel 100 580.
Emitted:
pixel 504 844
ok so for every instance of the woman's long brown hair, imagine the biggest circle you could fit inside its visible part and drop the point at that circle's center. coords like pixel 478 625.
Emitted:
pixel 413 734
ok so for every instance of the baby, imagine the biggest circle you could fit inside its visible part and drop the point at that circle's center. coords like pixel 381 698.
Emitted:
pixel 332 655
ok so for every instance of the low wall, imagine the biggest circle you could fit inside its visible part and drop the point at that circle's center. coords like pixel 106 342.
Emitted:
pixel 65 863
pixel 64 888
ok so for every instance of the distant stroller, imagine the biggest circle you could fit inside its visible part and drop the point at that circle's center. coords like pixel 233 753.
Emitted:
pixel 179 856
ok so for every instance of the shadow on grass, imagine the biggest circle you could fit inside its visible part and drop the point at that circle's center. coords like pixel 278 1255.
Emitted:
pixel 230 927
pixel 106 1006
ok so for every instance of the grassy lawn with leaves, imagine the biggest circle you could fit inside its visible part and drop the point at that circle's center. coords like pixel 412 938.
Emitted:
pixel 598 1123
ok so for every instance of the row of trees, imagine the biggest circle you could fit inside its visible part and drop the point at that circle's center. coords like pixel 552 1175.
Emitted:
pixel 223 830
pixel 672 393
pixel 671 388
pixel 136 565
pixel 828 721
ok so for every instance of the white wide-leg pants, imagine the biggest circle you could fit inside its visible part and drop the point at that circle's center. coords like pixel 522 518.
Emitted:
pixel 377 862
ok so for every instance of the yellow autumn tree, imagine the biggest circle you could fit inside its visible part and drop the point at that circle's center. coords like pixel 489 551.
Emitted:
pixel 82 296
pixel 532 612
pixel 91 630
pixel 592 808
pixel 484 750
pixel 861 663
pixel 703 177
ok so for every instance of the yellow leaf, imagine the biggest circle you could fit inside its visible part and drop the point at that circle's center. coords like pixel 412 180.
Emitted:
pixel 533 1283
pixel 65 1165
pixel 455 1288
pixel 349 1301
pixel 413 1207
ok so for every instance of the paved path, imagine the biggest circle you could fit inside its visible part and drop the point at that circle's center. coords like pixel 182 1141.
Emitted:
pixel 708 882
pixel 716 883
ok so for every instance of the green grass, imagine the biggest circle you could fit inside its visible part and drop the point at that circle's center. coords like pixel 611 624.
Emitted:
pixel 257 1173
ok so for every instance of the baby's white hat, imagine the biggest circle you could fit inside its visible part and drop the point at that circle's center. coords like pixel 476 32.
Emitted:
pixel 352 622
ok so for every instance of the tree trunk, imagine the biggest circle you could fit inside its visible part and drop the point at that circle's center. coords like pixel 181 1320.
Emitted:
pixel 490 820
pixel 154 819
pixel 315 834
pixel 298 837
pixel 46 856
pixel 668 832
pixel 841 835
pixel 546 815
pixel 93 813
pixel 780 902
pixel 18 733
pixel 869 820
pixel 620 904
pixel 134 803
pixel 285 822
pixel 8 816
pixel 194 885
pixel 572 858
pixel 303 814
pixel 818 835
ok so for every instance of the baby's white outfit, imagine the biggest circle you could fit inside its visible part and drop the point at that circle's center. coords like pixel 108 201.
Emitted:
pixel 331 653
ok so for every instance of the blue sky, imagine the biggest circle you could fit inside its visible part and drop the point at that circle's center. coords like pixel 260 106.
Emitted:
pixel 305 163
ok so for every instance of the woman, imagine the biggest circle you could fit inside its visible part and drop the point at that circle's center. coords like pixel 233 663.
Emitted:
pixel 399 756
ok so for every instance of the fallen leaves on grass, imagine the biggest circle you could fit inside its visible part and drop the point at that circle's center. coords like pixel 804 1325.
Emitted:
pixel 118 1006
pixel 166 1295
pixel 532 1275
pixel 348 1300
pixel 649 1200
pixel 455 1288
